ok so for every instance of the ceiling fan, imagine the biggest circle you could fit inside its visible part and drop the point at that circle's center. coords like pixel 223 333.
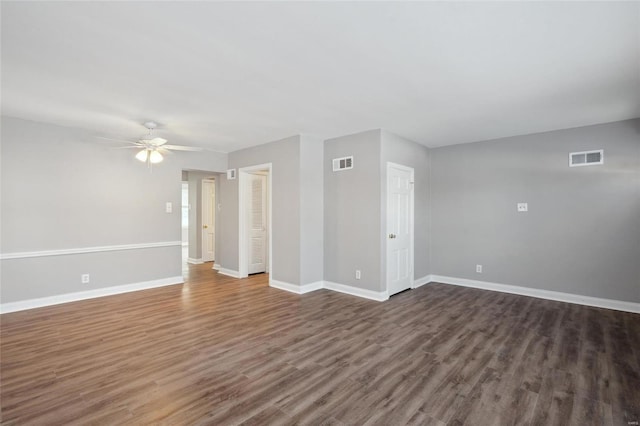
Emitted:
pixel 153 148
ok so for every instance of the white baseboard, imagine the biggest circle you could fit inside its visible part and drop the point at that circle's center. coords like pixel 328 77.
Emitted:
pixel 307 288
pixel 193 261
pixel 354 291
pixel 281 285
pixel 216 266
pixel 228 272
pixel 422 281
pixel 618 305
pixel 342 288
pixel 89 294
pixel 378 296
pixel 294 288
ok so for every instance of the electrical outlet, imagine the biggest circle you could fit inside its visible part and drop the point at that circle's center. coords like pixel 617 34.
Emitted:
pixel 85 278
pixel 479 269
pixel 523 207
pixel 168 207
pixel 358 274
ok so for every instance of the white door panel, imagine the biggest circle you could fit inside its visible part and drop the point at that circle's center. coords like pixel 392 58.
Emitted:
pixel 399 228
pixel 208 220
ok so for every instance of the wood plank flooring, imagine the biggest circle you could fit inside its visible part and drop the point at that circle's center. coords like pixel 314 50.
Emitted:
pixel 223 351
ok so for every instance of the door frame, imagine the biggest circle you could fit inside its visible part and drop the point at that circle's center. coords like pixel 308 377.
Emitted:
pixel 243 246
pixel 411 222
pixel 211 181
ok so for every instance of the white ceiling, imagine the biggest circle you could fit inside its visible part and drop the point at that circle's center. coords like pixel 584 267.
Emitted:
pixel 232 75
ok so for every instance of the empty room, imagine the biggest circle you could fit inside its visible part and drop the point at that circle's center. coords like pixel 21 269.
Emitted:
pixel 314 213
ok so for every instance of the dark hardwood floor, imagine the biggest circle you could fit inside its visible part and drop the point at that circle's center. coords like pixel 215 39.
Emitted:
pixel 223 351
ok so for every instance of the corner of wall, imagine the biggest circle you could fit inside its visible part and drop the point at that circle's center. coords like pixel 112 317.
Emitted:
pixel 311 209
pixel 352 211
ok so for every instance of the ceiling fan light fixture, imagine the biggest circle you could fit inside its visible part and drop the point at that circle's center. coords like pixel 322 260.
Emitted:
pixel 155 157
pixel 142 155
pixel 152 148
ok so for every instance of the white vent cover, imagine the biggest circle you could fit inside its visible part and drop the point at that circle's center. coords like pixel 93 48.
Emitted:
pixel 231 174
pixel 343 163
pixel 586 158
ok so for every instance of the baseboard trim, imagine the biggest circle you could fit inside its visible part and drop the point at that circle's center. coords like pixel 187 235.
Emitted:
pixel 341 288
pixel 228 272
pixel 22 305
pixel 281 285
pixel 379 296
pixel 63 252
pixel 193 261
pixel 297 289
pixel 422 281
pixel 617 305
pixel 216 266
pixel 307 288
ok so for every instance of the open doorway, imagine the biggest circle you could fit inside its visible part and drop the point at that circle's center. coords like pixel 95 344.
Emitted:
pixel 254 186
pixel 199 215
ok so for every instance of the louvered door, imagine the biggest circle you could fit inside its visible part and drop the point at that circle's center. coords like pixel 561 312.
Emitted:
pixel 257 219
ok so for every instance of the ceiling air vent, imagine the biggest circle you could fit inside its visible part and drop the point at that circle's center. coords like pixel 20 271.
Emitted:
pixel 586 158
pixel 343 163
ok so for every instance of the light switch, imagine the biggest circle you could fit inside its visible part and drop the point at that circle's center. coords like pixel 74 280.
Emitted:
pixel 169 207
pixel 523 207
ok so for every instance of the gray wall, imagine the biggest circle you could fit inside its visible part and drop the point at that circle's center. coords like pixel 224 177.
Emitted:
pixel 227 223
pixel 411 154
pixel 352 213
pixel 297 214
pixel 63 189
pixel 355 207
pixel 311 209
pixel 582 232
pixel 285 233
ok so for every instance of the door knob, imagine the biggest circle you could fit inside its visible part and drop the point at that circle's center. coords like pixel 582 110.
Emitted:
pixel 392 235
pixel 204 226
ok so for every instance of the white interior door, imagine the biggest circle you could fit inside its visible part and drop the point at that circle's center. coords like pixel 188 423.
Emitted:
pixel 208 220
pixel 257 222
pixel 399 228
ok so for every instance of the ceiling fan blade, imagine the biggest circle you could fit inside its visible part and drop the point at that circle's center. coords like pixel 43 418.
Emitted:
pixel 182 148
pixel 153 142
pixel 158 141
pixel 116 140
pixel 130 146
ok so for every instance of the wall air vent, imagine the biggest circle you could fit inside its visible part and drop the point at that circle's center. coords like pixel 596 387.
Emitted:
pixel 231 174
pixel 586 158
pixel 343 163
